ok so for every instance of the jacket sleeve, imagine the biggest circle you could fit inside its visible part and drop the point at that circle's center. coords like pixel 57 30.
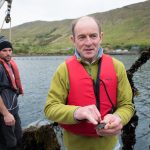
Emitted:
pixel 55 107
pixel 125 107
pixel 1 84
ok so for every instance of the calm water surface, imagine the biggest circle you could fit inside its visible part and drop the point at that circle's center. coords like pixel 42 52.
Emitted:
pixel 36 74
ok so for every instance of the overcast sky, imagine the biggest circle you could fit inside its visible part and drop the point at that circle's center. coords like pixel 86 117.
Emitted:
pixel 49 10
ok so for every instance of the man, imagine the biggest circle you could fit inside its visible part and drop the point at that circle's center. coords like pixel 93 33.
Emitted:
pixel 10 88
pixel 90 95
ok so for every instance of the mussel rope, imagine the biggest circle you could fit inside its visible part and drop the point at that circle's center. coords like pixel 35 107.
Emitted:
pixel 7 19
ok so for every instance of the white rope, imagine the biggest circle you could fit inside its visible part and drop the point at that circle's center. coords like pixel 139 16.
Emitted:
pixel 10 35
pixel 1 3
pixel 10 31
pixel 7 18
pixel 2 25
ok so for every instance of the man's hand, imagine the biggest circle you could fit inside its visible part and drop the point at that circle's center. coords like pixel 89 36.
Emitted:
pixel 9 119
pixel 113 125
pixel 89 113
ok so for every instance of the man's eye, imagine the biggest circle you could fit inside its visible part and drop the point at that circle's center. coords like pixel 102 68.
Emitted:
pixel 81 37
pixel 93 36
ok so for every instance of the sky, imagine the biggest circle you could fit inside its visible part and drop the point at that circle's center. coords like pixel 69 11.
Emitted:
pixel 23 11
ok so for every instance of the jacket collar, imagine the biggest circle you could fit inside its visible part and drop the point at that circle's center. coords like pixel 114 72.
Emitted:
pixel 99 55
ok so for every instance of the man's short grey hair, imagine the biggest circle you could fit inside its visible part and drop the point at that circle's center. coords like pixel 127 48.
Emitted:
pixel 76 21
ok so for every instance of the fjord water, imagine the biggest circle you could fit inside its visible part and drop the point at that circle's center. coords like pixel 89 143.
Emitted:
pixel 36 74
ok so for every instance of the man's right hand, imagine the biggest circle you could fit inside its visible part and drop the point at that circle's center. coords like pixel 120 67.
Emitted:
pixel 89 113
pixel 9 119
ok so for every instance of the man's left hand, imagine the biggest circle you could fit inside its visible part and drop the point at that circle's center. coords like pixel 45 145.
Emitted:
pixel 113 125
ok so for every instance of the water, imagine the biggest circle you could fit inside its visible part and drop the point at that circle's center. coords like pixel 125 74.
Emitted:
pixel 36 74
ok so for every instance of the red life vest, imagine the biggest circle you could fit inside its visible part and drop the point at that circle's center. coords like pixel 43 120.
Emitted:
pixel 13 77
pixel 82 91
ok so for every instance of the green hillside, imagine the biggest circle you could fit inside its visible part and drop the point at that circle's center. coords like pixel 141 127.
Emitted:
pixel 122 27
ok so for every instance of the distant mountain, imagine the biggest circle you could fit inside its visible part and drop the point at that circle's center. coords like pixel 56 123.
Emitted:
pixel 123 27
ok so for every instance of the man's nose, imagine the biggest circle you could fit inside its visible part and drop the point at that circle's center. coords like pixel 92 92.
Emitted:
pixel 88 41
pixel 9 52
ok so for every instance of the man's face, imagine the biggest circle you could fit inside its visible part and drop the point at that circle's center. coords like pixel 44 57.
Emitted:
pixel 6 54
pixel 87 38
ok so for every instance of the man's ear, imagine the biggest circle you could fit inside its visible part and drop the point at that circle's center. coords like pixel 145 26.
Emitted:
pixel 72 38
pixel 101 35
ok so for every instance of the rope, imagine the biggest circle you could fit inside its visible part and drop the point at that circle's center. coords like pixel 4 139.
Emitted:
pixel 10 35
pixel 1 3
pixel 7 18
pixel 10 31
pixel 2 25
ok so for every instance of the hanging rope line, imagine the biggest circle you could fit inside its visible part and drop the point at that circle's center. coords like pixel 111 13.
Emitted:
pixel 128 136
pixel 1 3
pixel 7 18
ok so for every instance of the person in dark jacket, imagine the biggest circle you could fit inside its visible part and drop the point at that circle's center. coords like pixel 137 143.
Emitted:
pixel 10 88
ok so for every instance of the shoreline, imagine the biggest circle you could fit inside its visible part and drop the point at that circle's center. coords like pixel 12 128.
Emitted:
pixel 121 53
pixel 57 54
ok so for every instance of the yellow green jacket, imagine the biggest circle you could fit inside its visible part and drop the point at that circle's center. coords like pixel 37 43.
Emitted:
pixel 57 110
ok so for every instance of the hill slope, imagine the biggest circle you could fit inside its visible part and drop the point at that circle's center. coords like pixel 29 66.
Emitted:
pixel 122 27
